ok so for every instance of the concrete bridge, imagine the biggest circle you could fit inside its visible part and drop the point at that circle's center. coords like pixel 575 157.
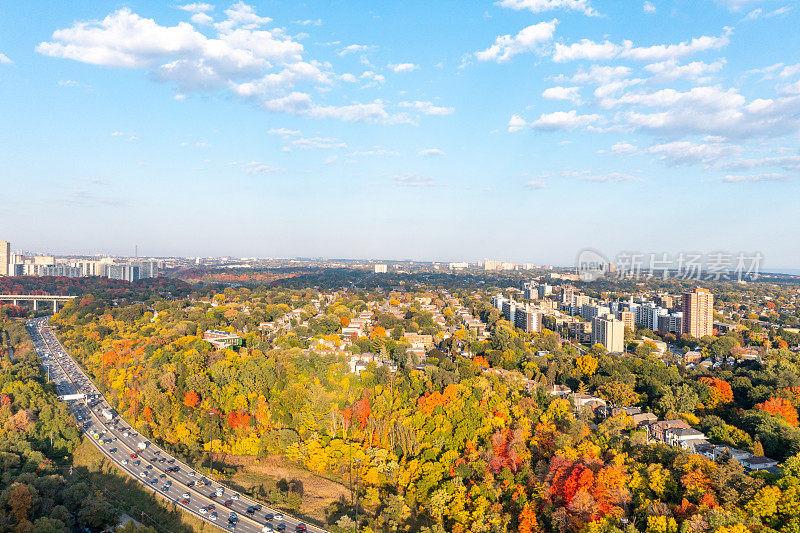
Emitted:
pixel 36 298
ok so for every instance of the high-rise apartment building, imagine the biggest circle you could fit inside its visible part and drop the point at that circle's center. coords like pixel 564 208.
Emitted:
pixel 5 258
pixel 628 319
pixel 698 312
pixel 610 332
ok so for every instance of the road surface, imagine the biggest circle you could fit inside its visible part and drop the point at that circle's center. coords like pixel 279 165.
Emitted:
pixel 153 467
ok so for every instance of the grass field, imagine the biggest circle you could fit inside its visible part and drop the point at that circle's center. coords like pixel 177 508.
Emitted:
pixel 318 492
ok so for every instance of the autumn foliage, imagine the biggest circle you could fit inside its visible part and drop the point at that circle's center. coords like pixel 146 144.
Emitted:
pixel 587 489
pixel 359 411
pixel 238 419
pixel 719 392
pixel 191 399
pixel 781 407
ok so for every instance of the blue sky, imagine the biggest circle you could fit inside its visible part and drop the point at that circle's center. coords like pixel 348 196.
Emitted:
pixel 520 129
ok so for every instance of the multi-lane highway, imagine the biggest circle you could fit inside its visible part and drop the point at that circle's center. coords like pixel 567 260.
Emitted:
pixel 154 468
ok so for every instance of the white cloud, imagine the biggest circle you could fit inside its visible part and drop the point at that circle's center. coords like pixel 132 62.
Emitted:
pixel 431 152
pixel 427 108
pixel 202 19
pixel 117 133
pixel 252 62
pixel 4 59
pixel 588 175
pixel 527 40
pixel 283 132
pixel 516 123
pixel 540 6
pixel 593 51
pixel 535 184
pixel 703 97
pixel 597 75
pixel 376 152
pixel 403 67
pixel 318 143
pixel 354 48
pixel 682 153
pixel 412 180
pixel 709 111
pixel 623 148
pixel 197 7
pixel 309 22
pixel 563 120
pixel 257 167
pixel 738 5
pixel 734 178
pixel 786 162
pixel 179 97
pixel 586 49
pixel 563 93
pixel 71 83
pixel 648 7
pixel 372 79
pixel 670 70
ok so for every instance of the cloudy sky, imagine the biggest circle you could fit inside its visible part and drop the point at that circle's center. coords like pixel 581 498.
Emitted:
pixel 451 130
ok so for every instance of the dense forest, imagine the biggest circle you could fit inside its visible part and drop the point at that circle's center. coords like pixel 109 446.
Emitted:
pixel 37 437
pixel 447 446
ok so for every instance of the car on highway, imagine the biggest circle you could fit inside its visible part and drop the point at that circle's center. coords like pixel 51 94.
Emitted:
pixel 278 516
pixel 186 494
pixel 213 516
pixel 203 510
pixel 185 501
pixel 300 528
pixel 280 527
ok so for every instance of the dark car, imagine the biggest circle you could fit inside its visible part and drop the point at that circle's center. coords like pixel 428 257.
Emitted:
pixel 171 461
pixel 280 527
pixel 251 510
pixel 212 496
pixel 228 503
pixel 269 516
pixel 233 518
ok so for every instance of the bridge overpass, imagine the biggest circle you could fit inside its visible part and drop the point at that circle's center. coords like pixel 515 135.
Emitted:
pixel 36 298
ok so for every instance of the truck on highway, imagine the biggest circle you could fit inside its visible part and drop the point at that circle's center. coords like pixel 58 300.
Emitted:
pixel 142 446
pixel 107 414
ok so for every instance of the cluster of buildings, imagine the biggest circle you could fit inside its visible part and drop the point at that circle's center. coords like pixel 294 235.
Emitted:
pixel 692 313
pixel 524 316
pixel 47 265
pixel 675 433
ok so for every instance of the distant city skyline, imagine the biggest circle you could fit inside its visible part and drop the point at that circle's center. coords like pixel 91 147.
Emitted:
pixel 520 130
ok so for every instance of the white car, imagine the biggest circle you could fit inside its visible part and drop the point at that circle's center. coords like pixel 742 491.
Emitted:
pixel 235 497
pixel 192 474
pixel 203 510
pixel 124 461
pixel 186 495
pixel 126 434
pixel 143 474
pixel 267 529
pixel 278 517
pixel 213 516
